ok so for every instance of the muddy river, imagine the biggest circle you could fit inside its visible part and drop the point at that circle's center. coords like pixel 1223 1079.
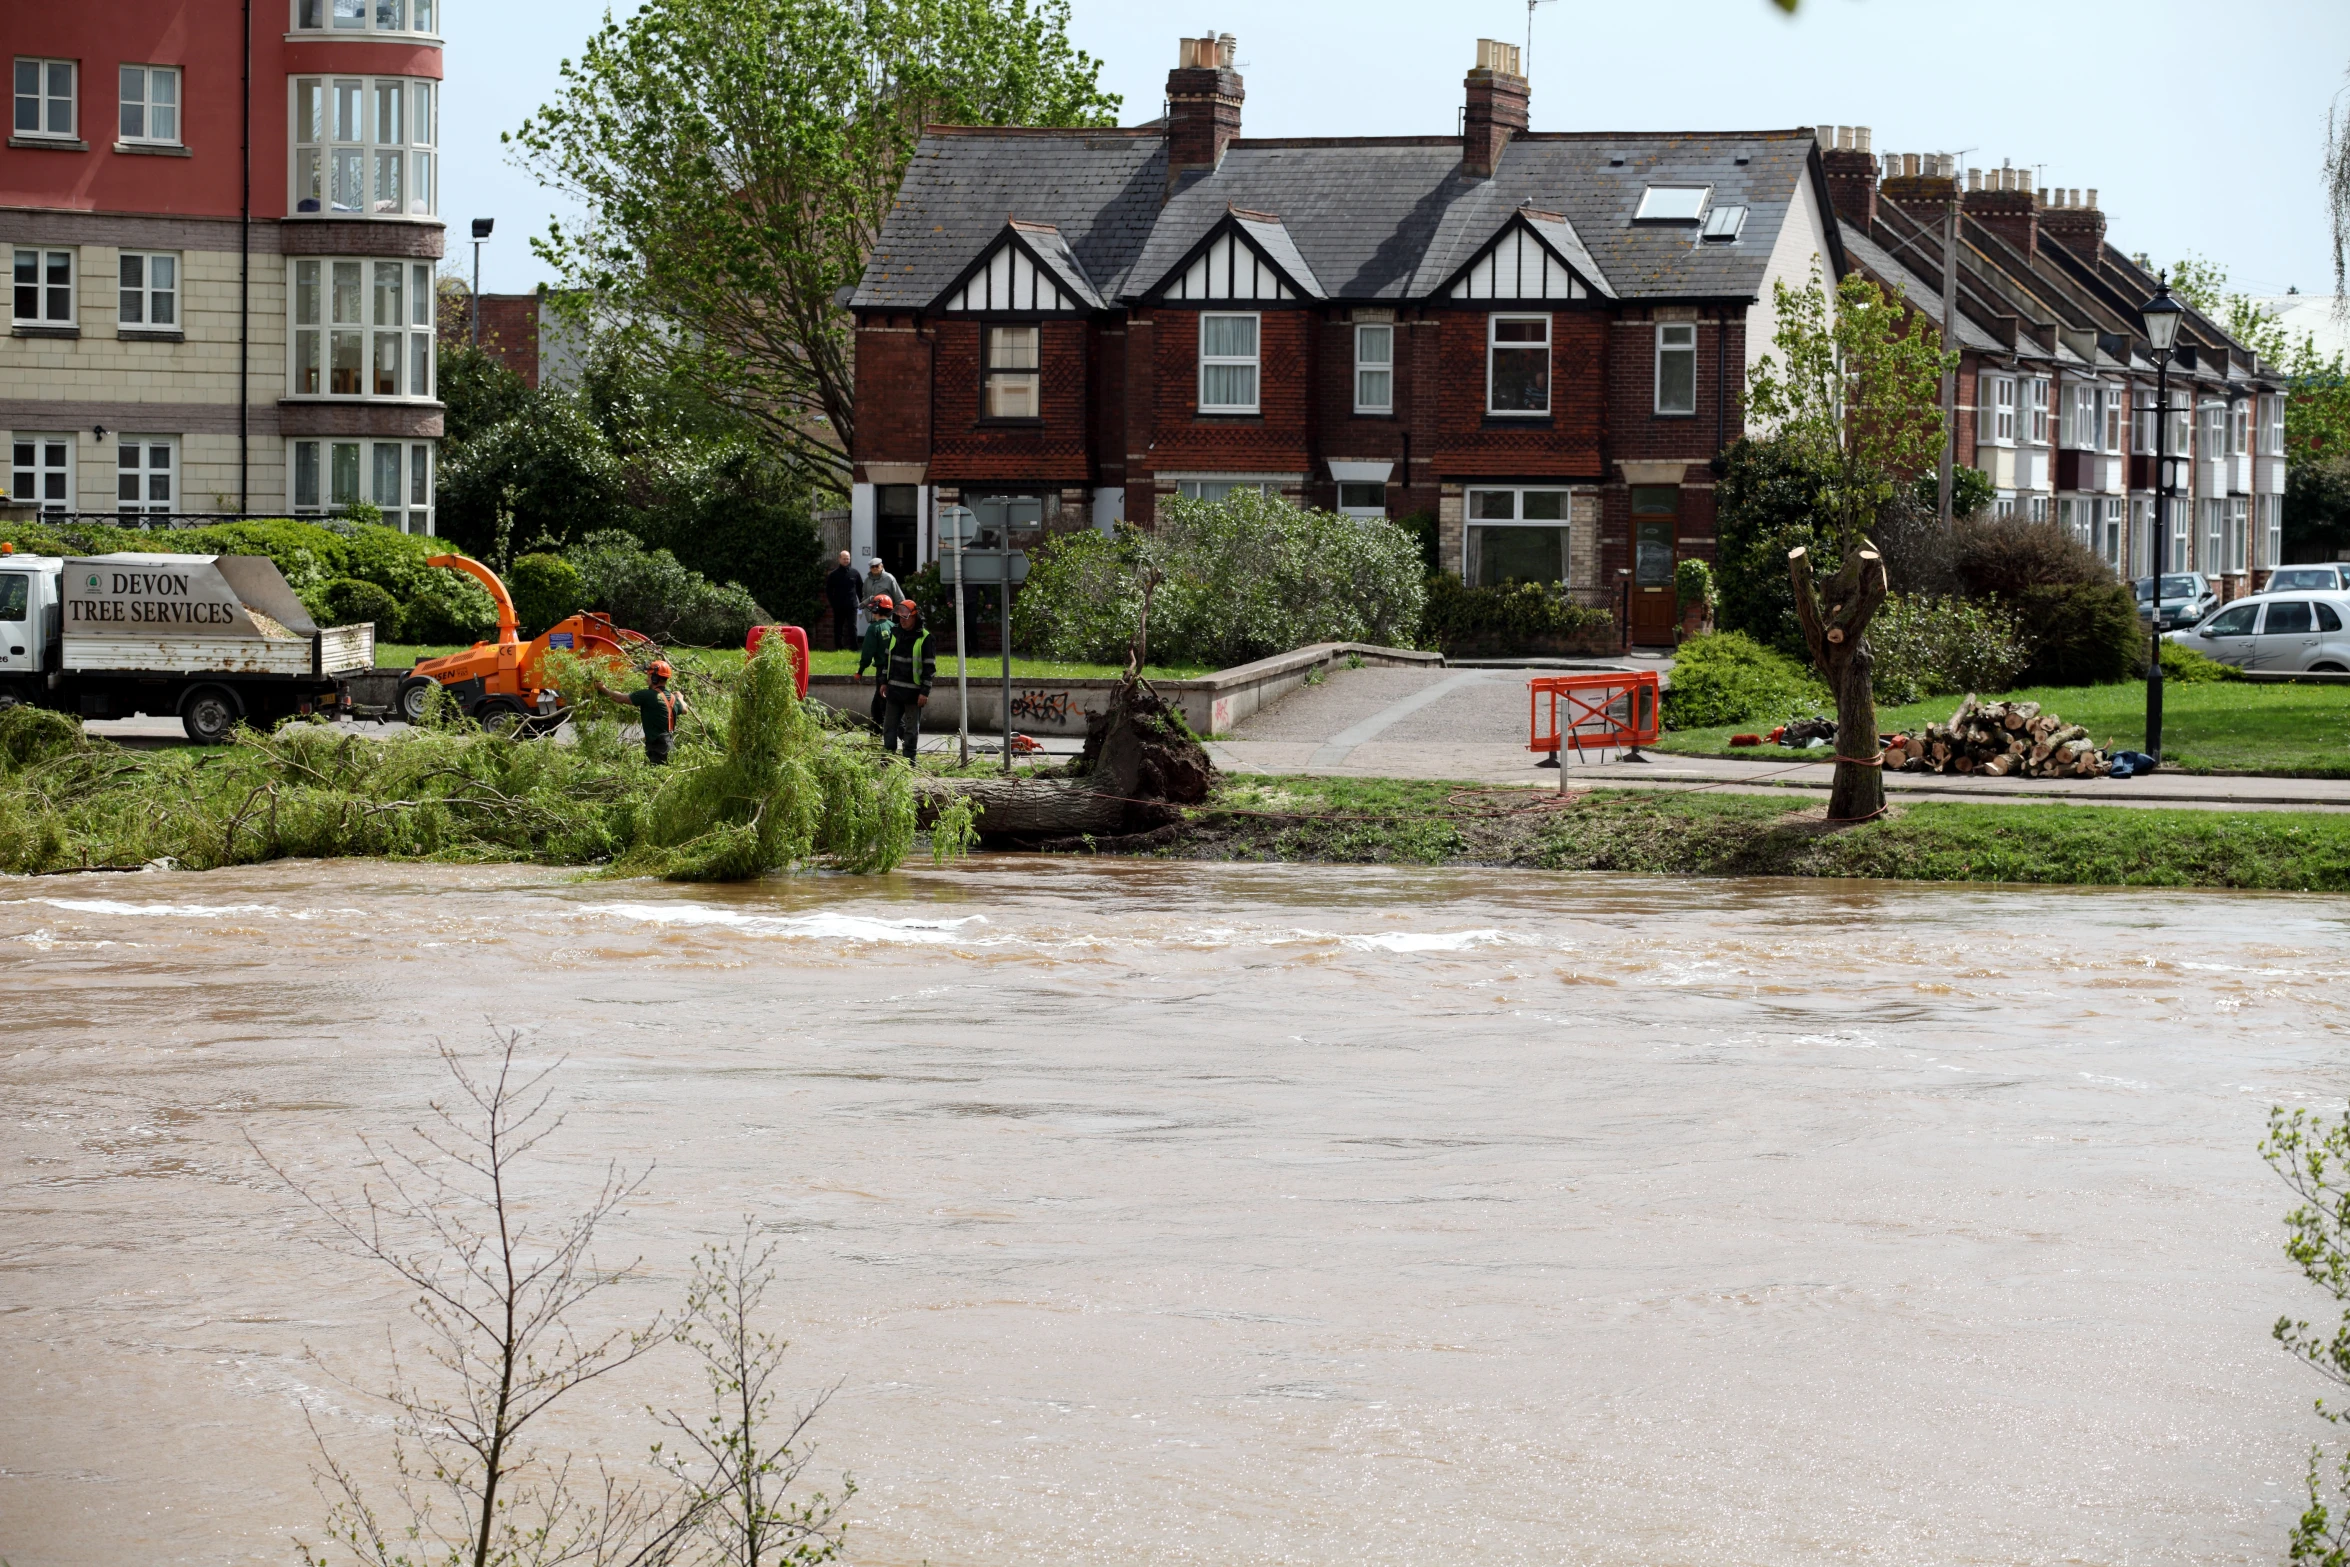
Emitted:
pixel 1228 1215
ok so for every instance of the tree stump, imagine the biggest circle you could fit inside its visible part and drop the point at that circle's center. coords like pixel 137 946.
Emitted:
pixel 1835 627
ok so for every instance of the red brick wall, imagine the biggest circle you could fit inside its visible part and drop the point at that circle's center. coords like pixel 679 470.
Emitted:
pixel 1471 444
pixel 893 391
pixel 510 332
pixel 1636 432
pixel 1338 431
pixel 1277 439
pixel 965 446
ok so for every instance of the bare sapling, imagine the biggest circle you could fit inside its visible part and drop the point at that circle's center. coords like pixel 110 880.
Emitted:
pixel 499 1291
pixel 739 1471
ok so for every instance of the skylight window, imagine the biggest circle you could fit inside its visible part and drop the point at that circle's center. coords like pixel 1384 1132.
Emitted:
pixel 1672 204
pixel 1723 223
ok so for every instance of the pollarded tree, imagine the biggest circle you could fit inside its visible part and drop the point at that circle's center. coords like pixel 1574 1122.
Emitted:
pixel 1855 395
pixel 735 160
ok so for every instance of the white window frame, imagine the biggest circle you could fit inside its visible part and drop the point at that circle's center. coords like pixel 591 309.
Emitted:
pixel 2002 411
pixel 1375 372
pixel 2113 415
pixel 142 473
pixel 315 295
pixel 2182 534
pixel 2077 418
pixel 322 140
pixel 2236 532
pixel 1563 522
pixel 25 478
pixel 2272 425
pixel 1196 489
pixel 1493 345
pixel 1688 347
pixel 2142 540
pixel 146 293
pixel 2142 422
pixel 42 98
pixel 417 18
pixel 322 461
pixel 44 258
pixel 1028 378
pixel 2215 523
pixel 2272 530
pixel 2214 422
pixel 2038 510
pixel 2036 406
pixel 2240 427
pixel 1254 362
pixel 149 75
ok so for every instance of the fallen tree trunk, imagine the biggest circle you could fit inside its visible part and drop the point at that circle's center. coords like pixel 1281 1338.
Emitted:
pixel 1140 764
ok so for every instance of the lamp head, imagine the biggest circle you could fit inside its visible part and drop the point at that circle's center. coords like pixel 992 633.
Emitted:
pixel 2161 315
pixel 482 227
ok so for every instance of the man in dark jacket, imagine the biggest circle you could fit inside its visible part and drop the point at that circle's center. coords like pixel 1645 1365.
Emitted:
pixel 913 665
pixel 874 650
pixel 840 591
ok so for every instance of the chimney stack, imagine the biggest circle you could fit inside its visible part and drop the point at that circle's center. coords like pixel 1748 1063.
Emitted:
pixel 1852 173
pixel 1203 106
pixel 2077 225
pixel 1925 184
pixel 2006 207
pixel 1497 108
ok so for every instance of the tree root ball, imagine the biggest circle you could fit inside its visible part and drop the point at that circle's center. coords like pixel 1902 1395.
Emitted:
pixel 1141 764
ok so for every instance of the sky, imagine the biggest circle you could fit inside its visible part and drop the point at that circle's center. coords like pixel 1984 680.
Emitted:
pixel 2201 125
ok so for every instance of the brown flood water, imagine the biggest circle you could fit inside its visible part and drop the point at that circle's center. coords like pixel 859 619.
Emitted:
pixel 1179 1214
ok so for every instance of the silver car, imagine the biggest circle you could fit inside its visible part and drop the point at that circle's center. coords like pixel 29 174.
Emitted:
pixel 2295 634
pixel 2305 579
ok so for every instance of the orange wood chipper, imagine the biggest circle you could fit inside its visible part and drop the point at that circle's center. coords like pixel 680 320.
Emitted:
pixel 498 684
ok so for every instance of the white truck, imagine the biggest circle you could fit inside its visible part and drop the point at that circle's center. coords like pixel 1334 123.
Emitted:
pixel 212 640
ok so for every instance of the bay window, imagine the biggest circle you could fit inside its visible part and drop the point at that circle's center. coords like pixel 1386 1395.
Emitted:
pixel 2272 426
pixel 396 477
pixel 2077 426
pixel 1228 364
pixel 1374 368
pixel 2002 410
pixel 2036 407
pixel 2272 528
pixel 2112 402
pixel 2215 431
pixel 2233 545
pixel 2142 423
pixel 2215 534
pixel 1676 367
pixel 2240 429
pixel 364 146
pixel 361 329
pixel 1517 365
pixel 1012 375
pixel 364 16
pixel 1515 535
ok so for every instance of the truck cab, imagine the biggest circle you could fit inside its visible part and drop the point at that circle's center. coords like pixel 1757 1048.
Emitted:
pixel 28 623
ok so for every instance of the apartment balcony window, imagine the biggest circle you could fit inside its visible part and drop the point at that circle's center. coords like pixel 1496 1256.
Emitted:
pixel 365 16
pixel 150 105
pixel 365 146
pixel 361 329
pixel 146 470
pixel 396 477
pixel 45 99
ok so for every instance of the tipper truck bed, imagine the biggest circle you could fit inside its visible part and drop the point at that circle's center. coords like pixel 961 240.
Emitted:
pixel 212 640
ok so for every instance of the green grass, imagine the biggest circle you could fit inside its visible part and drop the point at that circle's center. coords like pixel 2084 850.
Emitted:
pixel 401 655
pixel 2220 727
pixel 1397 821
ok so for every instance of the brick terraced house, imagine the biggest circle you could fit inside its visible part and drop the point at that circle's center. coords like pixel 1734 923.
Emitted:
pixel 2057 386
pixel 1542 339
pixel 222 220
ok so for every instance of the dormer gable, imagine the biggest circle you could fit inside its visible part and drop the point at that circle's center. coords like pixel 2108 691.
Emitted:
pixel 1534 255
pixel 1246 256
pixel 1028 270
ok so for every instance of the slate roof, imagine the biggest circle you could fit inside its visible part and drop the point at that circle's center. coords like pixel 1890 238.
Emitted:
pixel 1922 297
pixel 1373 219
pixel 1272 238
pixel 1046 243
pixel 1560 236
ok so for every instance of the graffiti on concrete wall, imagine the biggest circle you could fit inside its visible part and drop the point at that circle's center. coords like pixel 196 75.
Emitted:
pixel 1049 707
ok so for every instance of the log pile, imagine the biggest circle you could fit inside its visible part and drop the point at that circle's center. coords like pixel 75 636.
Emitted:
pixel 2001 739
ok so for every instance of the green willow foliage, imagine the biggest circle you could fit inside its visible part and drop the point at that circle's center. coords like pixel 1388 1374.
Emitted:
pixel 756 783
pixel 736 159
pixel 2312 1155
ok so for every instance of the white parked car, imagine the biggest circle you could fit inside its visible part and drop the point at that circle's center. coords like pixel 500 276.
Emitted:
pixel 2306 579
pixel 2294 633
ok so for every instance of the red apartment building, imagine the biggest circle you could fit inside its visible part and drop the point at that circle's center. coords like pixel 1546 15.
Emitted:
pixel 222 221
pixel 1543 339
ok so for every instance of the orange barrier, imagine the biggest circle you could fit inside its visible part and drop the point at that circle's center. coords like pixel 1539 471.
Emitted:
pixel 1604 712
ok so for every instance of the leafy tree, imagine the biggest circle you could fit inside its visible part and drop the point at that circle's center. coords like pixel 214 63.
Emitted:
pixel 736 159
pixel 1763 508
pixel 1857 393
pixel 2312 1154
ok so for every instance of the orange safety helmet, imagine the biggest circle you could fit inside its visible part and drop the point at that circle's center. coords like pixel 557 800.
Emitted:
pixel 661 668
pixel 882 601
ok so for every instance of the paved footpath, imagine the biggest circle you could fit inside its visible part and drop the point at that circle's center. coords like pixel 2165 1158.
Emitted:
pixel 1471 725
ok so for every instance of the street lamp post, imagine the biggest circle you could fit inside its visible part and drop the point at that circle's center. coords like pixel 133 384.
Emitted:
pixel 2161 315
pixel 481 231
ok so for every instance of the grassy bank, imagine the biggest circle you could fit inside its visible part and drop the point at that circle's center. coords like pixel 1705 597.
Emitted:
pixel 402 655
pixel 2223 727
pixel 1395 821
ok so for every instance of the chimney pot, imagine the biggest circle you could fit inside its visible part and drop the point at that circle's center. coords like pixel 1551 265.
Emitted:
pixel 2092 198
pixel 1227 51
pixel 2043 195
pixel 1826 135
pixel 1860 138
pixel 1974 179
pixel 1909 165
pixel 1844 138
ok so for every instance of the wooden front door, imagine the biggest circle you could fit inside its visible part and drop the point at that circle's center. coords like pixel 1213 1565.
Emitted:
pixel 1655 516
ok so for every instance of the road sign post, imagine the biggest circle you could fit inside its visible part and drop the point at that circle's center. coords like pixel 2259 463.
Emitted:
pixel 1001 569
pixel 956 524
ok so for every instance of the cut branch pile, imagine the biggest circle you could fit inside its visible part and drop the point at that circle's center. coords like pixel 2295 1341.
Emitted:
pixel 2002 739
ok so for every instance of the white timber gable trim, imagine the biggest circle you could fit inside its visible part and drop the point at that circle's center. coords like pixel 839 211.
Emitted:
pixel 1800 251
pixel 1010 279
pixel 1519 266
pixel 1229 268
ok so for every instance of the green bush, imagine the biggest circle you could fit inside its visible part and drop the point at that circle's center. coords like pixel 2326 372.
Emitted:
pixel 348 601
pixel 1764 507
pixel 1244 578
pixel 1944 646
pixel 545 589
pixel 2185 666
pixel 1421 525
pixel 648 591
pixel 1516 617
pixel 2082 623
pixel 1729 678
pixel 1693 583
pixel 1970 491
